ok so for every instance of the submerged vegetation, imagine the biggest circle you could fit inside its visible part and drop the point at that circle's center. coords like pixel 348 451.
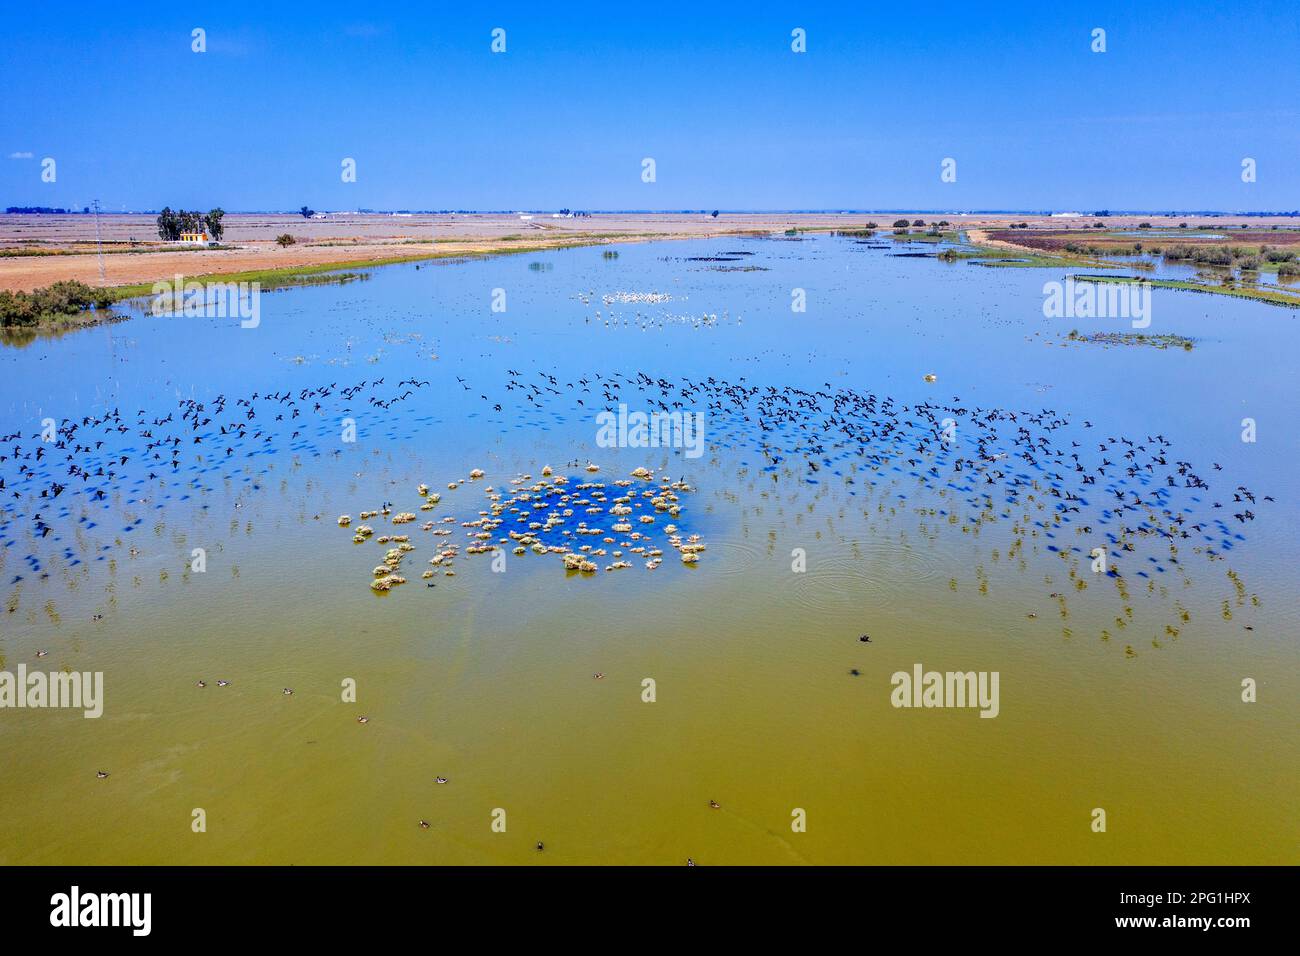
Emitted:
pixel 866 232
pixel 1008 258
pixel 1165 341
pixel 933 234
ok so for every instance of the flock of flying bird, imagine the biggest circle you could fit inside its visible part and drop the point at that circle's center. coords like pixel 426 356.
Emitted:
pixel 1117 492
pixel 55 478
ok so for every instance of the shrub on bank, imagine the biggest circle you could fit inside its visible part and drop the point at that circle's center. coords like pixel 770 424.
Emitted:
pixel 60 300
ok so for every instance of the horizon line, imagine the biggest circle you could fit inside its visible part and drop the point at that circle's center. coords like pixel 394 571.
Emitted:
pixel 32 210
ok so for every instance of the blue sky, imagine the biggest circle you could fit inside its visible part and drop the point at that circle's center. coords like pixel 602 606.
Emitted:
pixel 732 117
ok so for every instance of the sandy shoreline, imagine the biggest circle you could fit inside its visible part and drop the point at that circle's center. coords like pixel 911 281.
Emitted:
pixel 130 241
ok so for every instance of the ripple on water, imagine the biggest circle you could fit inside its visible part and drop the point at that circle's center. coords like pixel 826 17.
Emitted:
pixel 838 577
pixel 909 563
pixel 831 579
pixel 735 557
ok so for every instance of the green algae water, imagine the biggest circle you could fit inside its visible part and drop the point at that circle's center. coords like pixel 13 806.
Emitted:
pixel 693 709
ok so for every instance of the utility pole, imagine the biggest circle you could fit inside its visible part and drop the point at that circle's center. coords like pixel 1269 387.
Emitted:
pixel 99 245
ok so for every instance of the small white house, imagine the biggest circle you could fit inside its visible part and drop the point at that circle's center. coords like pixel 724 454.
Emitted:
pixel 196 239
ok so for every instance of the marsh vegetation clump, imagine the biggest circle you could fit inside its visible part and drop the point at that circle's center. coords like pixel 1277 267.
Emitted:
pixel 1203 255
pixel 1166 341
pixel 62 300
pixel 542 513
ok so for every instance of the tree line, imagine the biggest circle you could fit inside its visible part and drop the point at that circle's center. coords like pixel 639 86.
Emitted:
pixel 172 223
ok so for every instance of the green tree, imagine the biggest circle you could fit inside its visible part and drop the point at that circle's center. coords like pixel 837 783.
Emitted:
pixel 213 219
pixel 169 227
